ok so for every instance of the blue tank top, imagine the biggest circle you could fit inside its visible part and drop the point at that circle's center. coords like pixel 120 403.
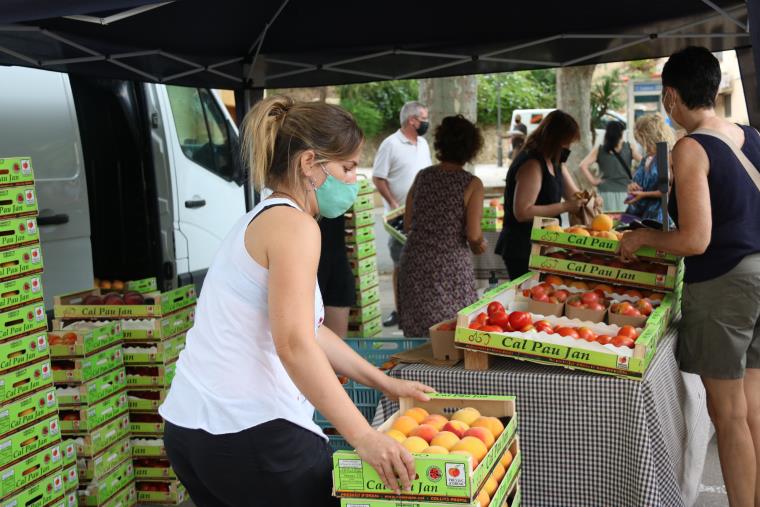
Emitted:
pixel 735 208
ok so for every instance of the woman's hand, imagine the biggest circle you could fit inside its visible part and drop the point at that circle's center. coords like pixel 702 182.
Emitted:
pixel 395 388
pixel 631 242
pixel 479 247
pixel 633 187
pixel 574 205
pixel 389 459
pixel 636 196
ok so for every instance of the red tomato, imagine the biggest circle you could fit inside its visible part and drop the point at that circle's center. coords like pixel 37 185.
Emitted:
pixel 623 341
pixel 575 301
pixel 586 334
pixel 538 291
pixel 628 331
pixel 474 325
pixel 561 295
pixel 545 326
pixel 644 306
pixel 498 318
pixel 481 319
pixel 495 306
pixel 590 297
pixel 490 329
pixel 519 320
pixel 541 298
pixel 596 306
pixel 527 328
pixel 632 312
pixel 568 331
pixel 507 328
pixel 604 339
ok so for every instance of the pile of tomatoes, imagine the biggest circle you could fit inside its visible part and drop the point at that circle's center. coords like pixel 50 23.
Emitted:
pixel 496 319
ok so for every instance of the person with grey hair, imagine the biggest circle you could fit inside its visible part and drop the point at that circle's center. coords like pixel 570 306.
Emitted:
pixel 398 160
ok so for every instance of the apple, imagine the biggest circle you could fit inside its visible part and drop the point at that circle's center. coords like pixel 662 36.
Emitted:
pixel 494 306
pixel 538 291
pixel 644 306
pixel 544 326
pixel 623 341
pixel 632 312
pixel 628 331
pixel 519 320
pixel 604 339
pixel 586 334
pixel 541 298
pixel 561 295
pixel 575 301
pixel 596 306
pixel 93 299
pixel 113 299
pixel 499 318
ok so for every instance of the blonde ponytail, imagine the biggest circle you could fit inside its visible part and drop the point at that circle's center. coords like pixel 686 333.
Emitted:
pixel 260 128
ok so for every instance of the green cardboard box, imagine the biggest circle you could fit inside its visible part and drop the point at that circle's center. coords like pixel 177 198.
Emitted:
pixel 15 232
pixel 358 219
pixel 147 400
pixel 148 448
pixel 365 330
pixel 94 390
pixel 143 286
pixel 95 441
pixel 124 498
pixel 491 224
pixel 365 186
pixel 21 321
pixel 157 304
pixel 42 493
pixel 361 235
pixel 159 329
pixel 493 212
pixel 70 478
pixel 69 451
pixel 361 250
pixel 92 416
pixel 98 492
pixel 83 369
pixel 364 266
pixel 22 473
pixel 22 261
pixel 24 350
pixel 71 499
pixel 19 413
pixel 20 292
pixel 368 297
pixel 163 352
pixel 93 469
pixel 354 478
pixel 27 441
pixel 363 202
pixel 146 424
pixel 392 217
pixel 16 383
pixel 176 493
pixel 16 171
pixel 367 280
pixel 364 314
pixel 84 342
pixel 18 201
pixel 153 468
pixel 150 376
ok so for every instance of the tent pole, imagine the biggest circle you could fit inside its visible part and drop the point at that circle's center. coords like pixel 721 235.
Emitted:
pixel 244 101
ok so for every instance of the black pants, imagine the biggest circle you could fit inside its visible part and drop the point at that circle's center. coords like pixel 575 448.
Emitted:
pixel 275 463
pixel 516 266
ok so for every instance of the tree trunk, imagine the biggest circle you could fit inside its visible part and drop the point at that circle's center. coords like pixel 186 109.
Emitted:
pixel 448 96
pixel 574 97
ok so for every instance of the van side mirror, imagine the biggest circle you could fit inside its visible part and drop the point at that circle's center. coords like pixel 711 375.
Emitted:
pixel 239 170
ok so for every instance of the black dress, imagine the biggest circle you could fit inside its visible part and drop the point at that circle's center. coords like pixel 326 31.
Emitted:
pixel 514 240
pixel 336 282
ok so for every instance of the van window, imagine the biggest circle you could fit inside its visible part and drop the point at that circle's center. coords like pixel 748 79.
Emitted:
pixel 201 129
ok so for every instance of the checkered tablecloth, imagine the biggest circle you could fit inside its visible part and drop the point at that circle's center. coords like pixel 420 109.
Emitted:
pixel 594 440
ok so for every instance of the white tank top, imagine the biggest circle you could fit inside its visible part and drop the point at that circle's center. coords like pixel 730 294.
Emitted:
pixel 229 377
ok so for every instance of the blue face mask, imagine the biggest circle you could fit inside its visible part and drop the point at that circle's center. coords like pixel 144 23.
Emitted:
pixel 335 197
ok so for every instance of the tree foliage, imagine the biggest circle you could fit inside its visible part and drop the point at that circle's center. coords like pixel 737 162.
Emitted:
pixel 376 106
pixel 606 95
pixel 519 90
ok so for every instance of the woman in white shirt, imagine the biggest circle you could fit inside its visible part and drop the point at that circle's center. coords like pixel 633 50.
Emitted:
pixel 258 360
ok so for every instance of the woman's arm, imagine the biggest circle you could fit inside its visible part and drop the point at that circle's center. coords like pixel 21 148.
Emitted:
pixel 473 216
pixel 690 169
pixel 586 164
pixel 526 192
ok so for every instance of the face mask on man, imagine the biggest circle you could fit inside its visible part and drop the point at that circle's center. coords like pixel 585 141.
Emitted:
pixel 423 128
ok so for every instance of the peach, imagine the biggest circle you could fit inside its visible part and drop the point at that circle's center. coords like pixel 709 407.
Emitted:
pixel 464 452
pixel 456 427
pixel 492 424
pixel 445 439
pixel 490 486
pixel 425 432
pixel 499 472
pixel 483 434
pixel 404 424
pixel 506 460
pixel 484 499
pixel 396 435
pixel 417 413
pixel 436 449
pixel 415 444
pixel 467 415
pixel 437 421
pixel 474 445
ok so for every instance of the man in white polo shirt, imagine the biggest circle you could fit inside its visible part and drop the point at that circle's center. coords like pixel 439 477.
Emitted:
pixel 400 157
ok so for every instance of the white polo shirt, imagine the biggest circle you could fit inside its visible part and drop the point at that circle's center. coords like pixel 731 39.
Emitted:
pixel 398 160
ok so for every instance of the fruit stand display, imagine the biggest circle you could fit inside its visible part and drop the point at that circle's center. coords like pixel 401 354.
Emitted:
pixel 466 451
pixel 599 315
pixel 31 458
pixel 393 222
pixel 489 264
pixel 364 316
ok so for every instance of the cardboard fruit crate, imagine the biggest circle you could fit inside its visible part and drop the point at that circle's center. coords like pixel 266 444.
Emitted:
pixel 442 341
pixel 364 314
pixel 44 492
pixel 18 201
pixel 148 448
pixel 601 245
pixel 19 413
pixel 553 349
pixel 21 261
pixel 163 352
pixel 149 424
pixel 157 304
pixel 27 379
pixel 90 417
pixel 22 321
pixel 94 390
pixel 365 186
pixel 146 400
pixel 71 499
pixel 69 452
pixel 366 281
pixel 22 473
pixel 367 297
pixel 393 222
pixel 493 212
pixel 27 441
pixel 20 292
pixel 364 266
pixel 363 202
pixel 150 376
pixel 365 330
pixel 153 468
pixel 93 469
pixel 357 219
pixel 492 224
pixel 16 171
pixel 70 478
pixel 170 492
pixel 354 478
pixel 74 370
pixel 84 342
pixel 126 497
pixel 361 250
pixel 142 286
pixel 24 350
pixel 141 330
pixel 95 441
pixel 16 232
pixel 361 235
pixel 99 491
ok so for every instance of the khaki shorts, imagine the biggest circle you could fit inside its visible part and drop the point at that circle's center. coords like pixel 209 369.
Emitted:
pixel 720 327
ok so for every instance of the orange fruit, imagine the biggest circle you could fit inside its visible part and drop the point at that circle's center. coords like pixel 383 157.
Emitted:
pixel 437 421
pixel 472 444
pixel 445 439
pixel 415 444
pixel 417 413
pixel 404 424
pixel 602 223
pixel 499 472
pixel 506 460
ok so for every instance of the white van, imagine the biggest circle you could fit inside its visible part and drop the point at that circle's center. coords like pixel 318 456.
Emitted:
pixel 133 179
pixel 531 118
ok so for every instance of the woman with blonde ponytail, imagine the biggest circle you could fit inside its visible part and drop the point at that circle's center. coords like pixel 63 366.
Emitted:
pixel 258 359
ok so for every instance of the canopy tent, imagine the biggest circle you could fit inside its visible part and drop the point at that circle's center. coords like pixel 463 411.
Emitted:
pixel 293 43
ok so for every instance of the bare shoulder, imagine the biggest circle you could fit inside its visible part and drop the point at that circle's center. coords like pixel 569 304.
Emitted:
pixel 529 169
pixel 475 183
pixel 688 154
pixel 279 228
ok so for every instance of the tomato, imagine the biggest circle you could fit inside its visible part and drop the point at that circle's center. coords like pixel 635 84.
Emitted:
pixel 538 291
pixel 507 328
pixel 596 306
pixel 623 341
pixel 545 326
pixel 481 319
pixel 561 295
pixel 554 280
pixel 586 334
pixel 568 331
pixel 628 331
pixel 541 298
pixel 644 306
pixel 604 339
pixel 575 301
pixel 632 312
pixel 527 328
pixel 490 329
pixel 519 320
pixel 494 306
pixel 474 325
pixel 499 318
pixel 623 307
pixel 590 297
